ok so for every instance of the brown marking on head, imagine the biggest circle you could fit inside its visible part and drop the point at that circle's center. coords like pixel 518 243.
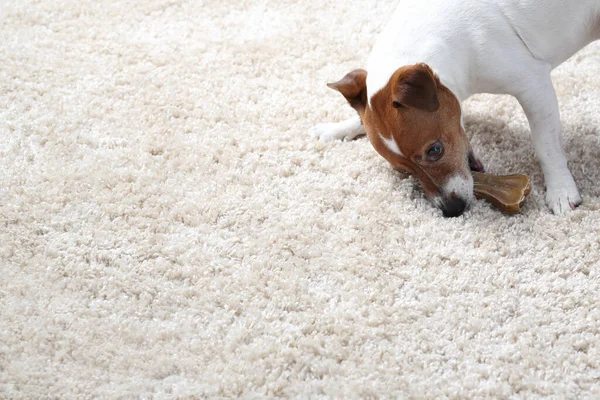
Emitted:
pixel 415 87
pixel 422 117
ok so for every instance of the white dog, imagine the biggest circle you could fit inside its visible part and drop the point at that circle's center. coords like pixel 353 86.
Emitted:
pixel 432 55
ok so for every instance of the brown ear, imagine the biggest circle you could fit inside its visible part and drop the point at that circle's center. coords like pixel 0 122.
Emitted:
pixel 416 86
pixel 354 88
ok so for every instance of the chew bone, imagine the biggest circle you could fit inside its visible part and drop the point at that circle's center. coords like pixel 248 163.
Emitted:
pixel 506 192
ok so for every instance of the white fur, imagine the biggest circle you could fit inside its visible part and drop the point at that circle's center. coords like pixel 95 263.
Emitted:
pixel 461 186
pixel 505 46
pixel 391 145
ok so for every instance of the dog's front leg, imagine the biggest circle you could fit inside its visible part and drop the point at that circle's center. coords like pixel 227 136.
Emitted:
pixel 345 130
pixel 541 107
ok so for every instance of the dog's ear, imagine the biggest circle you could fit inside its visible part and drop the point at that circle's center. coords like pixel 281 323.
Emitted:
pixel 354 88
pixel 416 87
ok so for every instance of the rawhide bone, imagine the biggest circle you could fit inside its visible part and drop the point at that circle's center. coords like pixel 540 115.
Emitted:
pixel 506 192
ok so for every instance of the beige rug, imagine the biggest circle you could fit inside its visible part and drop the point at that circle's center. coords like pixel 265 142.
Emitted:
pixel 169 229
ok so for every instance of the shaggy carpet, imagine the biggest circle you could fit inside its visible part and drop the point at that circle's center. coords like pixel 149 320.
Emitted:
pixel 168 228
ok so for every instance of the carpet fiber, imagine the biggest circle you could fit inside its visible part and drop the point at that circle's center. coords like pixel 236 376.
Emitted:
pixel 168 227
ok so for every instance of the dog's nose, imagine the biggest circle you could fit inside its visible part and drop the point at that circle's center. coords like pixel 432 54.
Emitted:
pixel 453 207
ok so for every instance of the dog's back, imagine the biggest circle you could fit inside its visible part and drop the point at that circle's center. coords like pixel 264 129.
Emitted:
pixel 470 42
pixel 553 30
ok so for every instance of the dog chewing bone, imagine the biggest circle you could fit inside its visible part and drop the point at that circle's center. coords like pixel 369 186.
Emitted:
pixel 505 192
pixel 433 55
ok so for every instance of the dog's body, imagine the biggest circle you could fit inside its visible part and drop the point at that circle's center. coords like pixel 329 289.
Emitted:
pixel 434 54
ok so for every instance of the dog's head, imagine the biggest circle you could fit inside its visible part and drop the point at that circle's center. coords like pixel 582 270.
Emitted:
pixel 414 122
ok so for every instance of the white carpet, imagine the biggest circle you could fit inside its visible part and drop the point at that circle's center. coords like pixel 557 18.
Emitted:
pixel 168 228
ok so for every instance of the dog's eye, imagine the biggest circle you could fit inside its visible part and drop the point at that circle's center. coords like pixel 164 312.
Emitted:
pixel 435 152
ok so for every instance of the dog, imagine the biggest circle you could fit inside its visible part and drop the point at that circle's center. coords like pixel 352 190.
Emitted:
pixel 434 54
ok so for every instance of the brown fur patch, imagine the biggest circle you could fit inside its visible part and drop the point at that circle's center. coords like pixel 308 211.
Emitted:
pixel 415 87
pixel 416 129
pixel 353 87
pixel 417 111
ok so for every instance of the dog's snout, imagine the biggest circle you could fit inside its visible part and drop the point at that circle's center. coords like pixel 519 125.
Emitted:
pixel 453 207
pixel 457 195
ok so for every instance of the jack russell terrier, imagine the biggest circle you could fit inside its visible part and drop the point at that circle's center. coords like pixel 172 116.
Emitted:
pixel 434 54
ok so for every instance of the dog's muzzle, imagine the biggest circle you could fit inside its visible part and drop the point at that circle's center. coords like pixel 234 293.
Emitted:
pixel 453 207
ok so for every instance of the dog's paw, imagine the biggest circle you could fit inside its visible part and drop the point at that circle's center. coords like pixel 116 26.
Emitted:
pixel 327 132
pixel 564 197
pixel 345 130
